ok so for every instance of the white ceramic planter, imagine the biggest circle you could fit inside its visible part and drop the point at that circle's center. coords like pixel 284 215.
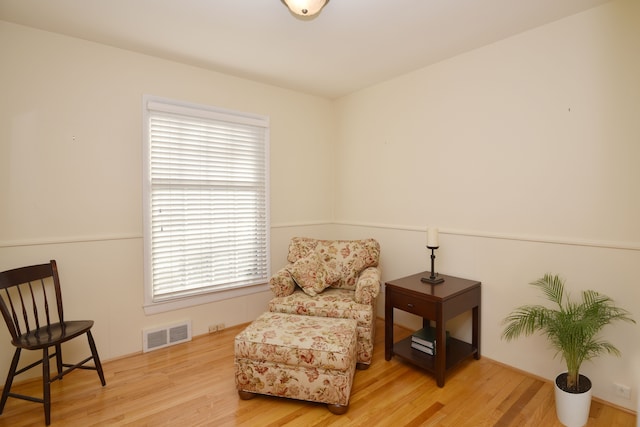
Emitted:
pixel 572 409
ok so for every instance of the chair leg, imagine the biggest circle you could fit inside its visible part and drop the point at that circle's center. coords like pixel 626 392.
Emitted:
pixel 10 375
pixel 59 360
pixel 46 386
pixel 96 358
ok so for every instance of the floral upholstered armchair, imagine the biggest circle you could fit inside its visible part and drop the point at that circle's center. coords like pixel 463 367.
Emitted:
pixel 332 278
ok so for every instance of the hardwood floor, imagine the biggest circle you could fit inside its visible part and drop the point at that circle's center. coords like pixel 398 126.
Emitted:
pixel 192 384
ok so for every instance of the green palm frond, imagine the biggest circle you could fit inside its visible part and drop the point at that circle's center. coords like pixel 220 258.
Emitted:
pixel 552 287
pixel 571 327
pixel 525 320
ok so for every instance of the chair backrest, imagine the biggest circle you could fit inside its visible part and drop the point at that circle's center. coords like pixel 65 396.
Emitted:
pixel 347 257
pixel 30 298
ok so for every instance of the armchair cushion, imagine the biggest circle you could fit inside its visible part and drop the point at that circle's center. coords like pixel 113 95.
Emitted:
pixel 312 275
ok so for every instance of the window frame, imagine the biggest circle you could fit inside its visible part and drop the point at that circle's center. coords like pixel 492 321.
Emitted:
pixel 198 111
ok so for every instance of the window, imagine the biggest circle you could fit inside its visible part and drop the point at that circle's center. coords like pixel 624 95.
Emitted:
pixel 206 222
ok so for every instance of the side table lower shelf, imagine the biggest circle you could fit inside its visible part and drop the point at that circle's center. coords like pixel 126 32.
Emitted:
pixel 457 351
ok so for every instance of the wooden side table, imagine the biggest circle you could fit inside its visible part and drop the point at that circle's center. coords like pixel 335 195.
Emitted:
pixel 439 303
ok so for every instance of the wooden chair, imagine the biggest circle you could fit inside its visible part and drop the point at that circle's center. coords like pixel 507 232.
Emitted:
pixel 31 304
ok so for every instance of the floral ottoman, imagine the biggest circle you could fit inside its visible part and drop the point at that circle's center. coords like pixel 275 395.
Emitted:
pixel 300 357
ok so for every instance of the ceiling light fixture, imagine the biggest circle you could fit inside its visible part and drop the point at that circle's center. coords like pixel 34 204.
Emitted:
pixel 305 7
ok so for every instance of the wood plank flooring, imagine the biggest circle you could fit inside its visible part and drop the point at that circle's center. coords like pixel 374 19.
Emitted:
pixel 192 384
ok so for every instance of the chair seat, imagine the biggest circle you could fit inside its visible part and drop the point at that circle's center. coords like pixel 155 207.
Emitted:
pixel 54 334
pixel 332 302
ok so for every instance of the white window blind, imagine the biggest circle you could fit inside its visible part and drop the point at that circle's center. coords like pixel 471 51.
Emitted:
pixel 206 225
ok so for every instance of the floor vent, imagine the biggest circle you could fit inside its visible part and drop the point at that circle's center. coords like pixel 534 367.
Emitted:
pixel 153 339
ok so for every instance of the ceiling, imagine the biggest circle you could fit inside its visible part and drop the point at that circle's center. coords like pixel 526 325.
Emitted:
pixel 350 45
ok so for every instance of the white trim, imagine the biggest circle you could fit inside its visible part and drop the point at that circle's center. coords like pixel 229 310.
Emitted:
pixel 301 224
pixel 67 240
pixel 177 304
pixel 202 111
pixel 632 246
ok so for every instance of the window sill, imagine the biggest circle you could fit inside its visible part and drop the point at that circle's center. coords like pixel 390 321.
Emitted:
pixel 178 304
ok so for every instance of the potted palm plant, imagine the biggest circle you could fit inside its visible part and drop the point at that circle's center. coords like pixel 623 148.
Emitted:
pixel 573 329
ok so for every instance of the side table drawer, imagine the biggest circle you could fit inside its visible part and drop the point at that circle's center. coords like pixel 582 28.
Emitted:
pixel 413 305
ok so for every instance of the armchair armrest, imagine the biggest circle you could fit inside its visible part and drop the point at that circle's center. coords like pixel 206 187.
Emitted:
pixel 368 285
pixel 281 283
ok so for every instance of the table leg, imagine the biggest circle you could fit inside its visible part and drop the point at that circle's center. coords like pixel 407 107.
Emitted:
pixel 388 328
pixel 475 331
pixel 441 349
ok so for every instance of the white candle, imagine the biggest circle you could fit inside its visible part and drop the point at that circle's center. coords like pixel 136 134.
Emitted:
pixel 432 237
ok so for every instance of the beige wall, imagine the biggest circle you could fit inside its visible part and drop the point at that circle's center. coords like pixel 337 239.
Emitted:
pixel 524 153
pixel 71 173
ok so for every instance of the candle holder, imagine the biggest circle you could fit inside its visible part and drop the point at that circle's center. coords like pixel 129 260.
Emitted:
pixel 433 279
